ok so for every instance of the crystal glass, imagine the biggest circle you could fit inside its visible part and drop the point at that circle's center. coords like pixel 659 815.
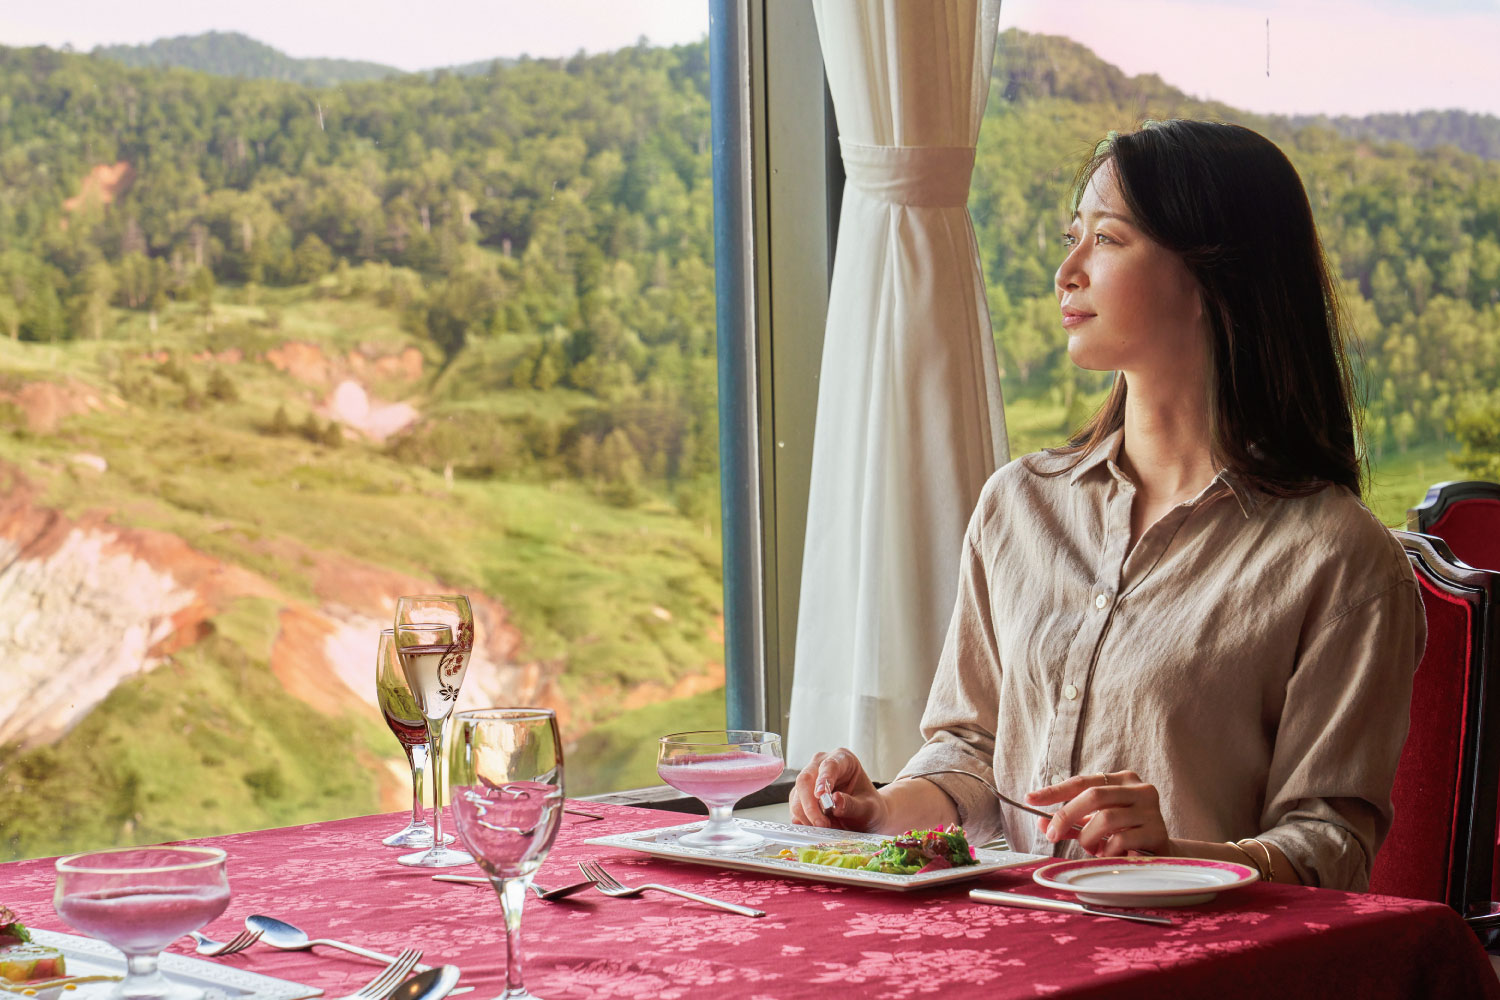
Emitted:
pixel 720 767
pixel 433 666
pixel 507 783
pixel 399 706
pixel 140 899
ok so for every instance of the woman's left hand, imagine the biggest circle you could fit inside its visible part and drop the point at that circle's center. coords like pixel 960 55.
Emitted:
pixel 1119 813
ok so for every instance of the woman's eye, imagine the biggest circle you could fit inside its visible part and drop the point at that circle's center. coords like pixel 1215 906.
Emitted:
pixel 1069 240
pixel 1100 238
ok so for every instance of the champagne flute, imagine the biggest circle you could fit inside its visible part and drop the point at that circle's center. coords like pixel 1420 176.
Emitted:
pixel 720 767
pixel 441 609
pixel 140 899
pixel 402 714
pixel 507 780
pixel 427 654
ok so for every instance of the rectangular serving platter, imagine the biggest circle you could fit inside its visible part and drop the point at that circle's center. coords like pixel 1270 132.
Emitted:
pixel 89 957
pixel 662 842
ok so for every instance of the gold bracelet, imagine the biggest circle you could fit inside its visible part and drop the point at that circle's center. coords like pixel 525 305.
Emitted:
pixel 1248 857
pixel 1270 863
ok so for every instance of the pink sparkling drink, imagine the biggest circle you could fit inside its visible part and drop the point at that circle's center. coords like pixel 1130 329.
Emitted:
pixel 720 778
pixel 720 767
pixel 139 899
pixel 142 920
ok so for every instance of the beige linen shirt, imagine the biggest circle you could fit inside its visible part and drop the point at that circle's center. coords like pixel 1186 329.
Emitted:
pixel 1251 657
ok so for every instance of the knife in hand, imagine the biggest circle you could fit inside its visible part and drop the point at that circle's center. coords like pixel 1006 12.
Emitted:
pixel 1065 905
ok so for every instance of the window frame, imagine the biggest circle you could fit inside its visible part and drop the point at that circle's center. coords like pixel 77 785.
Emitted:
pixel 778 181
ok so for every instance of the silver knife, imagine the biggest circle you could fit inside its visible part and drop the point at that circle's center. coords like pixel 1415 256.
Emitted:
pixel 1065 905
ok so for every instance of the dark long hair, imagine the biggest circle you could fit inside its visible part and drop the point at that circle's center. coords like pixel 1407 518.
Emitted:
pixel 1228 202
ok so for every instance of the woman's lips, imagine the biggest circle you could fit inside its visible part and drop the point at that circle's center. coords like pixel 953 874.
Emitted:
pixel 1071 319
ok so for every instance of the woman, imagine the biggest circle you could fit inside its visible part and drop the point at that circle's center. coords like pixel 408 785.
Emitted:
pixel 1184 631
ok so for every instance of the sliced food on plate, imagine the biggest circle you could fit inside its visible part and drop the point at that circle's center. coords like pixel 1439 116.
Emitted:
pixel 23 960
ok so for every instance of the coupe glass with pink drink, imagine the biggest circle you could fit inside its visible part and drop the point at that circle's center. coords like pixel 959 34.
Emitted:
pixel 720 767
pixel 140 899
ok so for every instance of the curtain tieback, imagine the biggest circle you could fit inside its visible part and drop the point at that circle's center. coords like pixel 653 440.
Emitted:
pixel 934 176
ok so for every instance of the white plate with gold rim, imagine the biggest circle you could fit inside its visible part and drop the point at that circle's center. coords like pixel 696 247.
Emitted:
pixel 1145 881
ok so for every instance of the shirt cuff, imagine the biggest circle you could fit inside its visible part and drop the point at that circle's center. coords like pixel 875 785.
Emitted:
pixel 1322 854
pixel 978 809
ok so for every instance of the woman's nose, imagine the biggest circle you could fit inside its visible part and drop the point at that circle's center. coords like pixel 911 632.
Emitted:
pixel 1070 276
pixel 1072 272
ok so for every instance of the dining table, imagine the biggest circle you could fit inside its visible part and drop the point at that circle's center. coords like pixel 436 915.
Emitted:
pixel 817 940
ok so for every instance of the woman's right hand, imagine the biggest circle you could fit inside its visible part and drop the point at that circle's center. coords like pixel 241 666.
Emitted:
pixel 857 803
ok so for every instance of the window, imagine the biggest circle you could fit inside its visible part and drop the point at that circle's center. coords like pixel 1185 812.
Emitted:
pixel 286 338
pixel 1406 201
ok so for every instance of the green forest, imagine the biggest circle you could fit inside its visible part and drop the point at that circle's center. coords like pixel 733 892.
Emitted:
pixel 540 232
pixel 547 225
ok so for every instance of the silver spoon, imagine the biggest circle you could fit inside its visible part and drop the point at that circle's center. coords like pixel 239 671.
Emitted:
pixel 434 984
pixel 280 934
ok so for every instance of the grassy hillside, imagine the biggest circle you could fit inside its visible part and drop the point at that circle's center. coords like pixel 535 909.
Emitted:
pixel 620 596
pixel 208 742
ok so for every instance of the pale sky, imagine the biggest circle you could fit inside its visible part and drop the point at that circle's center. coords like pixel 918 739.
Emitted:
pixel 1333 56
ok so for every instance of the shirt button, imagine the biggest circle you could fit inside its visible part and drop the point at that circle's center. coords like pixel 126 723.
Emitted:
pixel 1070 692
pixel 1101 601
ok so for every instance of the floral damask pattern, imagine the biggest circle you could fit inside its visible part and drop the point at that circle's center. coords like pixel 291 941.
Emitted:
pixel 903 974
pixel 819 941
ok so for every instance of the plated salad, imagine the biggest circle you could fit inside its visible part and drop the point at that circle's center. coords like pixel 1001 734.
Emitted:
pixel 910 853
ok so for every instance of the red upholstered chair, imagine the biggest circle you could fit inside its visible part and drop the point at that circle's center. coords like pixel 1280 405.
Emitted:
pixel 1466 515
pixel 1442 844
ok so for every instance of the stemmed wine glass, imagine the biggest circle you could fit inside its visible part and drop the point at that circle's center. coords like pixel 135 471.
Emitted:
pixel 424 651
pixel 507 782
pixel 720 767
pixel 402 714
pixel 140 899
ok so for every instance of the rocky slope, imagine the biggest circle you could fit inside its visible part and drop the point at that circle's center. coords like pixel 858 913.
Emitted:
pixel 85 604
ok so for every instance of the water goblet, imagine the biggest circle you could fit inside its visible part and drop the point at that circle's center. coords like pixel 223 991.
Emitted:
pixel 433 664
pixel 139 900
pixel 506 776
pixel 404 717
pixel 720 767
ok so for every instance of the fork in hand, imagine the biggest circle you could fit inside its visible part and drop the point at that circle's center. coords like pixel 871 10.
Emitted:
pixel 605 883
pixel 381 986
pixel 1077 827
pixel 208 946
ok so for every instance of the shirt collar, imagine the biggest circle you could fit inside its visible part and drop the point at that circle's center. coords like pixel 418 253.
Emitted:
pixel 1247 498
pixel 1107 454
pixel 1107 450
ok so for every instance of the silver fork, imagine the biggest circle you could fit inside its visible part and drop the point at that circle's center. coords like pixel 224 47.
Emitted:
pixel 381 986
pixel 208 946
pixel 605 883
pixel 1003 798
pixel 558 893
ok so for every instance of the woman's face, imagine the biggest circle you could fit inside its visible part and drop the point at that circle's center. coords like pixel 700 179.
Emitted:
pixel 1128 303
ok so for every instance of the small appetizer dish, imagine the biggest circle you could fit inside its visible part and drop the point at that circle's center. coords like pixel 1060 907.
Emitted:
pixel 22 960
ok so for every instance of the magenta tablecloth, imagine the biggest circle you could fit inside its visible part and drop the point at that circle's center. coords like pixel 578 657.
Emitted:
pixel 817 941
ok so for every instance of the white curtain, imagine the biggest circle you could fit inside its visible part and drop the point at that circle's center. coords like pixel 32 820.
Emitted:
pixel 910 423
